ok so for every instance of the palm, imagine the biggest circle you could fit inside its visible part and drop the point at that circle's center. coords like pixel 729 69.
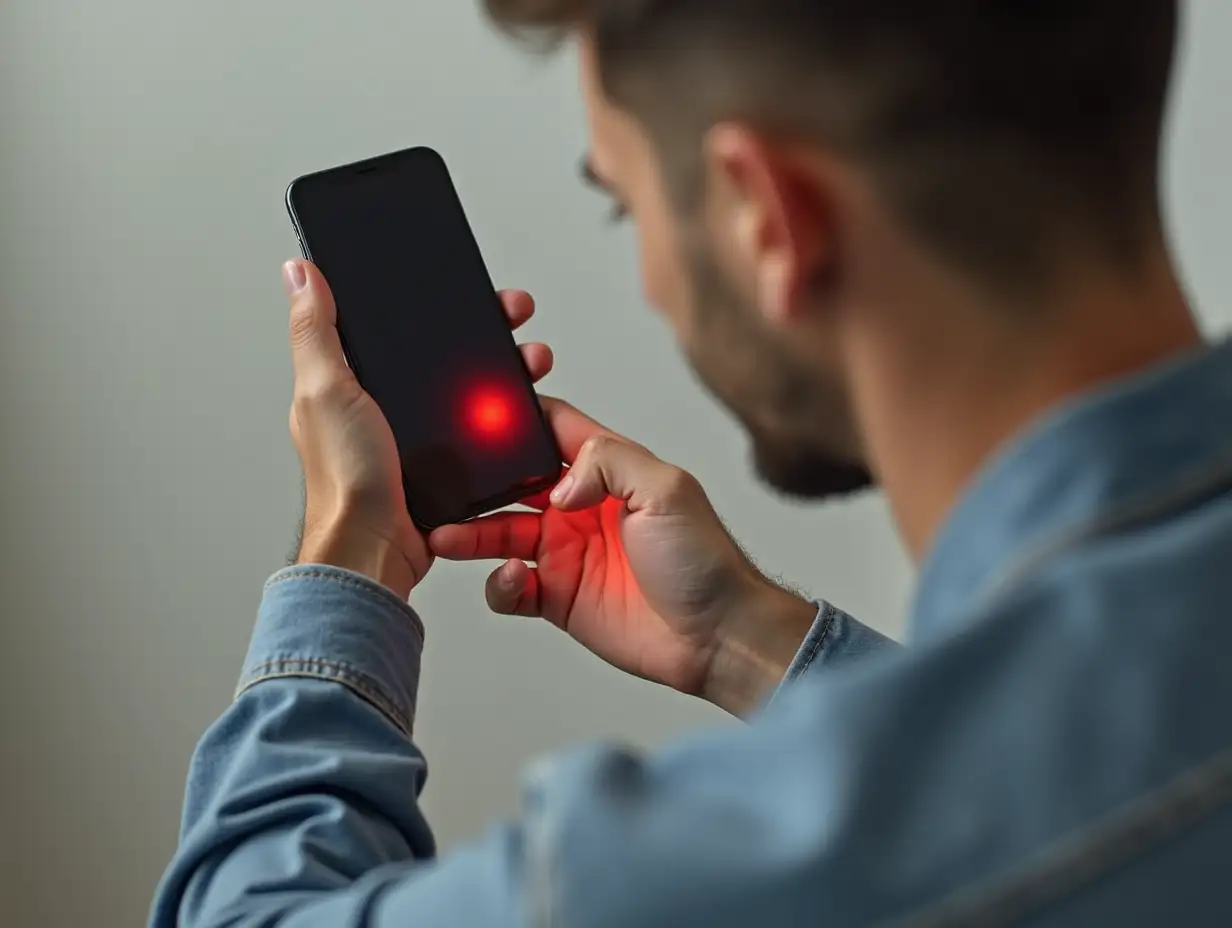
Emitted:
pixel 589 565
pixel 643 574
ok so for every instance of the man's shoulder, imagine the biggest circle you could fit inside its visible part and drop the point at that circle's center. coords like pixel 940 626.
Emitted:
pixel 1075 733
pixel 1071 737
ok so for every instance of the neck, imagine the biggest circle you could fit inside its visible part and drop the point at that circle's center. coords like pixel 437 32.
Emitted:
pixel 945 394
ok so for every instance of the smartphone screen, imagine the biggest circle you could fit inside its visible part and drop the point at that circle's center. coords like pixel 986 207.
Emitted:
pixel 425 333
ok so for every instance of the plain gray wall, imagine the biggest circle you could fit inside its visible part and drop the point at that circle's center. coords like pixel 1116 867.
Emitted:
pixel 148 485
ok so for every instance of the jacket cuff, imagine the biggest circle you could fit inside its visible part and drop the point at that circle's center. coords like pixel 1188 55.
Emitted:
pixel 327 623
pixel 834 640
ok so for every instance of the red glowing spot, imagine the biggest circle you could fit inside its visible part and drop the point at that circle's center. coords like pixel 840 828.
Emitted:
pixel 491 415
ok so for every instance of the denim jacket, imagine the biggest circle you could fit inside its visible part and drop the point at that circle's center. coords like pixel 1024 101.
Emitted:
pixel 1055 747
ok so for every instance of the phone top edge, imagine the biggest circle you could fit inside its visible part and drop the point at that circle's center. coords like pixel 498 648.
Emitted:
pixel 365 165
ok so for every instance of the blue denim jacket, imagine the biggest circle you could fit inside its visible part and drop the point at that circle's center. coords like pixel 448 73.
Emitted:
pixel 1054 749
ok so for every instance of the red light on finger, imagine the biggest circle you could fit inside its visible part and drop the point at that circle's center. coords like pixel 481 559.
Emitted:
pixel 490 415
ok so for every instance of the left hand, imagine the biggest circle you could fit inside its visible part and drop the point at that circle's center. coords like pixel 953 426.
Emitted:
pixel 355 513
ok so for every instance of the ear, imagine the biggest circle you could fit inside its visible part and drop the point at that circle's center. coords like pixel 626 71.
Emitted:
pixel 778 222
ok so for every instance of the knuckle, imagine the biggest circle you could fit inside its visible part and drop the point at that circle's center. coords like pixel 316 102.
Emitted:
pixel 303 322
pixel 315 394
pixel 597 446
pixel 301 410
pixel 679 484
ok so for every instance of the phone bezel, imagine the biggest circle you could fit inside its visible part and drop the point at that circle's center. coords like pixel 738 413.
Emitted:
pixel 512 495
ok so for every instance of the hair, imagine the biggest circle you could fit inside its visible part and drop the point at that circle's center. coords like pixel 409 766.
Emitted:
pixel 1003 132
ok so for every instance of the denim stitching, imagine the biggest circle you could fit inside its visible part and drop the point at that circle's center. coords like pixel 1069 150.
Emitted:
pixel 1077 860
pixel 542 858
pixel 830 615
pixel 1194 488
pixel 368 693
pixel 333 672
pixel 371 588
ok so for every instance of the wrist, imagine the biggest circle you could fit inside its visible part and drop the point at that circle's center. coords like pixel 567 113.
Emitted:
pixel 755 645
pixel 376 554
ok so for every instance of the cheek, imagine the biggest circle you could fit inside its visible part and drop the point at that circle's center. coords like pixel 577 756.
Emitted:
pixel 664 281
pixel 652 264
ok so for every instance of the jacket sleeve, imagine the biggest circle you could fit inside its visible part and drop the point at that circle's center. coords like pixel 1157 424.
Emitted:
pixel 302 803
pixel 835 640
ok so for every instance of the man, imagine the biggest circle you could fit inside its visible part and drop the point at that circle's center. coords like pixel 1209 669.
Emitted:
pixel 915 243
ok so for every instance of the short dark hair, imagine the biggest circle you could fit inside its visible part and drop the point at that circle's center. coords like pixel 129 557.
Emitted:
pixel 1000 130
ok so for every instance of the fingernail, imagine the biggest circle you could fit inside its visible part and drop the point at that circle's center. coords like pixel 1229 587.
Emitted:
pixel 561 493
pixel 294 277
pixel 507 579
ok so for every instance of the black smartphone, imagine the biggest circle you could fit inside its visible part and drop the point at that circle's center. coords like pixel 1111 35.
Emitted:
pixel 425 333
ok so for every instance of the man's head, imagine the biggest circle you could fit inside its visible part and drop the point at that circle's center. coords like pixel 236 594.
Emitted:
pixel 795 167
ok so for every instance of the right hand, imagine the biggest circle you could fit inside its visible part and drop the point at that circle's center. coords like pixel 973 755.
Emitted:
pixel 631 560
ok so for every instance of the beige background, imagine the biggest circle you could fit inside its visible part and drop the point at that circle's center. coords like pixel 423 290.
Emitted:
pixel 146 482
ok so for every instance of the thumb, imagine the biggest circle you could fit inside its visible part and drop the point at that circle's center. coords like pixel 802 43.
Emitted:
pixel 316 349
pixel 611 466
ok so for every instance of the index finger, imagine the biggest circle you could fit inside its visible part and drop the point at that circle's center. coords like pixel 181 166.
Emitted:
pixel 572 427
pixel 501 535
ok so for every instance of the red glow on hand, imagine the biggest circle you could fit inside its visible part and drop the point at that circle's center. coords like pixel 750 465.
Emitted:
pixel 490 415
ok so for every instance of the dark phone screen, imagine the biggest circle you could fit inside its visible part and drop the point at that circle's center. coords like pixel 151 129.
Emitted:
pixel 425 333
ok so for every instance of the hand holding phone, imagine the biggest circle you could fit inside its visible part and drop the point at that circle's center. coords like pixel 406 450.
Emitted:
pixel 355 509
pixel 423 331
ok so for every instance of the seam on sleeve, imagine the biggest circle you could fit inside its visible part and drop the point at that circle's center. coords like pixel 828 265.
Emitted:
pixel 358 682
pixel 542 856
pixel 352 581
